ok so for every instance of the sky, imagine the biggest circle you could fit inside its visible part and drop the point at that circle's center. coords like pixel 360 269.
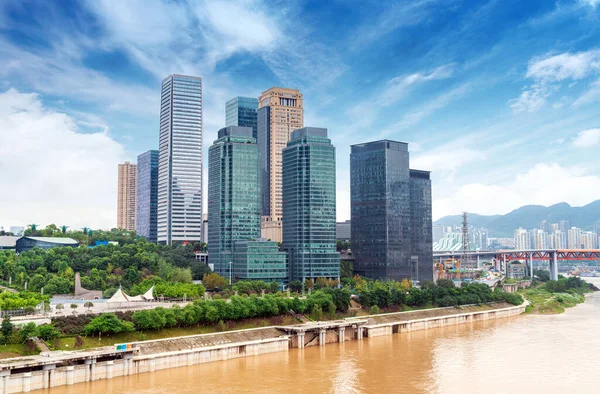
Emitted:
pixel 499 99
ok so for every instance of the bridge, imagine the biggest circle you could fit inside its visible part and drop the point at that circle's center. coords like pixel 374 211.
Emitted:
pixel 553 256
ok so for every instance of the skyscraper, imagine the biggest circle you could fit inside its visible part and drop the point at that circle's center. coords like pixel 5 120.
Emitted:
pixel 242 111
pixel 126 196
pixel 233 194
pixel 279 113
pixel 309 227
pixel 147 195
pixel 390 213
pixel 180 161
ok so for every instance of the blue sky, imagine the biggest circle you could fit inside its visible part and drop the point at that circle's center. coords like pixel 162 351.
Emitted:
pixel 499 99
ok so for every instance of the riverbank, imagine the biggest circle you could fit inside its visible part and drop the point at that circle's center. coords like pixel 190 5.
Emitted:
pixel 554 297
pixel 68 368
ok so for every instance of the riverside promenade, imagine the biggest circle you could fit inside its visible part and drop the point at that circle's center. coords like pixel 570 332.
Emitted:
pixel 53 369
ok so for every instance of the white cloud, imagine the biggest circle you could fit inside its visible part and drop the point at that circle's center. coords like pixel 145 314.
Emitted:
pixel 548 71
pixel 50 172
pixel 592 3
pixel 591 95
pixel 587 138
pixel 398 87
pixel 538 185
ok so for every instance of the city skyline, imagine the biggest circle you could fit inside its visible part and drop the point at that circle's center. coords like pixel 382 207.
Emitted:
pixel 98 70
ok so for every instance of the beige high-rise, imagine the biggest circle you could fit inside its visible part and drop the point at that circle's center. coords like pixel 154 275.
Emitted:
pixel 279 113
pixel 126 196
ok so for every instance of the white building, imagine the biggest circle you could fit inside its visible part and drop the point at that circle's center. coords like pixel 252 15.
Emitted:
pixel 522 239
pixel 574 238
pixel 180 161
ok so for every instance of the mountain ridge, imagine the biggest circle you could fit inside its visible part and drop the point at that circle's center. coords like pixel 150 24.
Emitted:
pixel 530 216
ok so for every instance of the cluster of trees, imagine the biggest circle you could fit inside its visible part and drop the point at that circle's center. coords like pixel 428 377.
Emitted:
pixel 168 289
pixel 567 285
pixel 101 267
pixel 391 293
pixel 212 311
pixel 11 335
pixel 321 283
pixel 255 287
pixel 24 299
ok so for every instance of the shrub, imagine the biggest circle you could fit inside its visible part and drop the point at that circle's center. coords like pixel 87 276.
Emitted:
pixel 374 310
pixel 47 332
pixel 108 323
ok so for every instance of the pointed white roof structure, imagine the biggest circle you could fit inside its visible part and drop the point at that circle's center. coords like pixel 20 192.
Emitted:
pixel 119 296
pixel 149 295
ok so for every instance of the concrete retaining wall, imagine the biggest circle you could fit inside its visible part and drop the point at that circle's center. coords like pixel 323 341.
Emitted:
pixel 390 328
pixel 25 382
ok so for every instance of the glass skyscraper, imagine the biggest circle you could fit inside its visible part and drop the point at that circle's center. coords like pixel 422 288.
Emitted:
pixel 147 195
pixel 233 194
pixel 180 161
pixel 242 111
pixel 309 227
pixel 259 260
pixel 390 213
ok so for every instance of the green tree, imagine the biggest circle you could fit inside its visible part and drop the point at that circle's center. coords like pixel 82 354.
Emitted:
pixel 89 305
pixel 27 331
pixel 6 327
pixel 214 281
pixel 47 332
pixel 108 323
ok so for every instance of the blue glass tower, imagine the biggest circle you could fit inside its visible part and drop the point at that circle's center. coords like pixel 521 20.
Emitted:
pixel 233 194
pixel 390 213
pixel 242 111
pixel 147 195
pixel 309 233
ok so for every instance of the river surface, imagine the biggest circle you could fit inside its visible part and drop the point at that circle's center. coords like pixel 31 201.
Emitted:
pixel 524 354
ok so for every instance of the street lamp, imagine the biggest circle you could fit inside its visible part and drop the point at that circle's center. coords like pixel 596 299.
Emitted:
pixel 229 273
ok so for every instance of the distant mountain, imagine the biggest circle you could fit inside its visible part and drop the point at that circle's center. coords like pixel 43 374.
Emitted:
pixel 530 216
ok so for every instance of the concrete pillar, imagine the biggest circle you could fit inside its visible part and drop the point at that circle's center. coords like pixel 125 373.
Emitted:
pixel 51 377
pixel 322 336
pixel 531 265
pixel 26 382
pixel 152 365
pixel 93 369
pixel 359 332
pixel 48 374
pixel 88 364
pixel 4 377
pixel 478 262
pixel 301 339
pixel 70 374
pixel 190 359
pixel 341 334
pixel 554 266
pixel 109 369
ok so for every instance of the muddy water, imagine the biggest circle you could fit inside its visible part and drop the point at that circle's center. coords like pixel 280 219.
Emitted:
pixel 525 354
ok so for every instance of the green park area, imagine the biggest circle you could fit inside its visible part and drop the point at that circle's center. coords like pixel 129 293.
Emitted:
pixel 554 296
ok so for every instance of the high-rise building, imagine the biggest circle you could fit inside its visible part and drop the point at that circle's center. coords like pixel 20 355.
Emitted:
pixel 540 239
pixel 557 240
pixel 343 230
pixel 522 239
pixel 180 161
pixel 126 196
pixel 588 240
pixel 574 238
pixel 309 227
pixel 563 225
pixel 147 195
pixel 259 260
pixel 279 114
pixel 545 226
pixel 242 111
pixel 233 194
pixel 390 213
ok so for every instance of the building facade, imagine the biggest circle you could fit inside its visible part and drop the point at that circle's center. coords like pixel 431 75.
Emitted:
pixel 180 161
pixel 343 230
pixel 147 195
pixel 522 239
pixel 574 238
pixel 390 213
pixel 24 244
pixel 126 196
pixel 279 114
pixel 233 194
pixel 259 260
pixel 242 111
pixel 309 205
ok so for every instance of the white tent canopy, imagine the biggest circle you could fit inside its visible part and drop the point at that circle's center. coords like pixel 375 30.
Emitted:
pixel 119 296
pixel 149 295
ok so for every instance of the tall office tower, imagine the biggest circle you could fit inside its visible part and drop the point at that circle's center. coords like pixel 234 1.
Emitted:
pixel 126 196
pixel 279 114
pixel 391 213
pixel 546 226
pixel 233 194
pixel 180 161
pixel 574 238
pixel 309 227
pixel 147 195
pixel 242 111
pixel 588 240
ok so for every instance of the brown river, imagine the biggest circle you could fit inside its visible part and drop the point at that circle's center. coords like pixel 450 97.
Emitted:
pixel 524 354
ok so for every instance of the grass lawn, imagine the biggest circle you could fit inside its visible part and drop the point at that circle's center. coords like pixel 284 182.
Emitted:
pixel 547 303
pixel 15 350
pixel 68 343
